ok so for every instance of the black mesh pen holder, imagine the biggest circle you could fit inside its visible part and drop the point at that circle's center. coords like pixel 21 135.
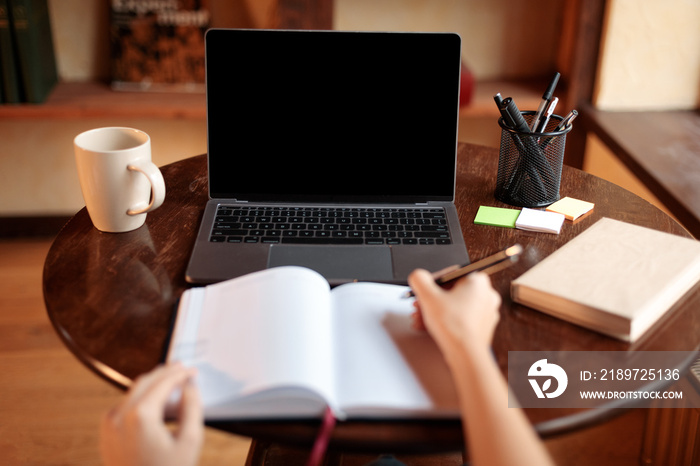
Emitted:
pixel 530 164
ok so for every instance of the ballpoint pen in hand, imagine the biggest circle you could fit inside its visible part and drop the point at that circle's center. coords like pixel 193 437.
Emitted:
pixel 490 264
pixel 546 98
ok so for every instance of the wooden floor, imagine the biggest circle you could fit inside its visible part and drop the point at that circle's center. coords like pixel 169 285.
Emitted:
pixel 50 404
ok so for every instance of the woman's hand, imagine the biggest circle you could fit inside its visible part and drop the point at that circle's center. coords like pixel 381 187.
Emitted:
pixel 135 432
pixel 468 312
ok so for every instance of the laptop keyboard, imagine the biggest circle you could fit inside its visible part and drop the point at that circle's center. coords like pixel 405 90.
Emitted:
pixel 321 225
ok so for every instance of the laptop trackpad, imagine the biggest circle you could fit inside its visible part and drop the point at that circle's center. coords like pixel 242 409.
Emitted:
pixel 337 263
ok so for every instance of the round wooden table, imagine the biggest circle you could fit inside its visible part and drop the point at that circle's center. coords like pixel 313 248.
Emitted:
pixel 112 297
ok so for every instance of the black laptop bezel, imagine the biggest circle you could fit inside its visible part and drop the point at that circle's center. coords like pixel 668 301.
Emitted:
pixel 427 173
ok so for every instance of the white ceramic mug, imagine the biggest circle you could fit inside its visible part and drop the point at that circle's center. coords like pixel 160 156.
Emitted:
pixel 119 181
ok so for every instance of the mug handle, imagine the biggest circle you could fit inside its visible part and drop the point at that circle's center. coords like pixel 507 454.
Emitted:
pixel 155 177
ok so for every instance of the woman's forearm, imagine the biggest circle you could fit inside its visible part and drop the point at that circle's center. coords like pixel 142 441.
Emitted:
pixel 494 433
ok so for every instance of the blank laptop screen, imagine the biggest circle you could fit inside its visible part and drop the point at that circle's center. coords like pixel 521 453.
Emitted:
pixel 332 116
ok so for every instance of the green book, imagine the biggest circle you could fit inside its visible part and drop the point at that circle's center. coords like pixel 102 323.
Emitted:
pixel 31 28
pixel 9 86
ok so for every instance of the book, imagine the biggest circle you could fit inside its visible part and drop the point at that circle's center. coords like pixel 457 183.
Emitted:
pixel 9 85
pixel 281 344
pixel 615 278
pixel 33 42
pixel 158 45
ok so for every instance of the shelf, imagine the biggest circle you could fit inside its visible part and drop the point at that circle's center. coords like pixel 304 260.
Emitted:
pixel 661 149
pixel 98 100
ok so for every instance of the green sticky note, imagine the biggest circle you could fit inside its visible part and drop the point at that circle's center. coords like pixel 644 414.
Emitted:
pixel 496 216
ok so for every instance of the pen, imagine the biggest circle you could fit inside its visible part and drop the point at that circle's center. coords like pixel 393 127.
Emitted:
pixel 566 121
pixel 490 264
pixel 563 124
pixel 532 157
pixel 513 182
pixel 505 112
pixel 498 99
pixel 547 115
pixel 546 97
pixel 519 123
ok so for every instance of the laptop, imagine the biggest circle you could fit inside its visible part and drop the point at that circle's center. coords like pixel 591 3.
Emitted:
pixel 330 150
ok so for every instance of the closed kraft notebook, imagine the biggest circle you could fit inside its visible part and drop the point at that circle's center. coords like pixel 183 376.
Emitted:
pixel 615 278
pixel 281 344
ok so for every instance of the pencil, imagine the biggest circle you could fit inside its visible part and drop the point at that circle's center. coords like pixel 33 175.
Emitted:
pixel 490 264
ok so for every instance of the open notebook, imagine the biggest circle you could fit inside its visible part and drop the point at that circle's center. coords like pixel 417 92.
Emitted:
pixel 280 343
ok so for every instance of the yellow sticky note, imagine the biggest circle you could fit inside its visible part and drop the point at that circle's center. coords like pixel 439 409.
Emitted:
pixel 570 207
